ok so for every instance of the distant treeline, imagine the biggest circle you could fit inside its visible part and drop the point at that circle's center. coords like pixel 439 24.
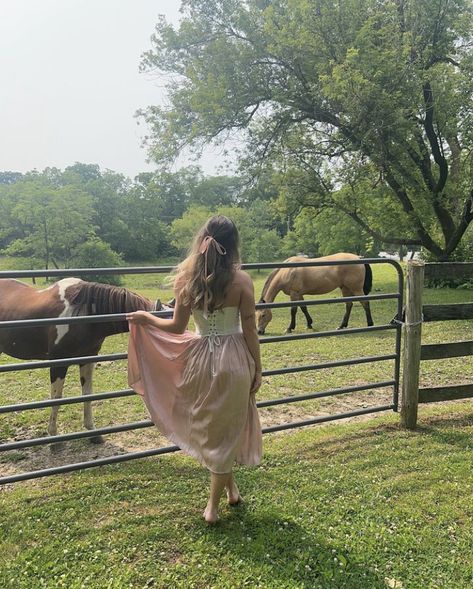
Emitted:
pixel 84 217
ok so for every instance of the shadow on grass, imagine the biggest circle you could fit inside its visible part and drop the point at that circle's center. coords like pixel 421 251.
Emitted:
pixel 282 553
pixel 255 542
pixel 457 420
pixel 435 428
pixel 432 425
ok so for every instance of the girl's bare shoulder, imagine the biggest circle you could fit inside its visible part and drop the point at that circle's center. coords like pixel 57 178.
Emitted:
pixel 241 285
pixel 242 278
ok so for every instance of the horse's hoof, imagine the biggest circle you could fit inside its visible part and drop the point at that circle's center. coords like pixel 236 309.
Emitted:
pixel 310 328
pixel 57 447
pixel 342 327
pixel 288 331
pixel 97 440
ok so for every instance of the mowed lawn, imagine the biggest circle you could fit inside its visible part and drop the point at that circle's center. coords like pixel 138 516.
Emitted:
pixel 358 506
pixel 355 505
pixel 34 385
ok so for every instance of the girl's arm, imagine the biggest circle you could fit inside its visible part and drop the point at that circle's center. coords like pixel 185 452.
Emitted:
pixel 177 324
pixel 248 324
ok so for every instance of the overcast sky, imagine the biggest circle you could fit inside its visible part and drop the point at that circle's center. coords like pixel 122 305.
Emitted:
pixel 70 84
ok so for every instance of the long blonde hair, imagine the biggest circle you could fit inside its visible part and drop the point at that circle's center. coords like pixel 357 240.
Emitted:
pixel 203 278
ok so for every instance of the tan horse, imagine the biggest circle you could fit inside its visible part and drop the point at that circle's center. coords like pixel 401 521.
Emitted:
pixel 353 280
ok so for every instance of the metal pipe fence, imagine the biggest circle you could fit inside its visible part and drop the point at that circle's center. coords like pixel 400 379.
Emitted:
pixel 37 405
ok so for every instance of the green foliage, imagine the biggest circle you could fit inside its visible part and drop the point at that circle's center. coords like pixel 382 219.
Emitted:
pixel 365 105
pixel 95 253
pixel 184 229
pixel 306 233
pixel 324 232
pixel 46 215
pixel 258 241
pixel 9 177
pixel 44 222
pixel 217 191
pixel 290 246
pixel 265 247
pixel 336 232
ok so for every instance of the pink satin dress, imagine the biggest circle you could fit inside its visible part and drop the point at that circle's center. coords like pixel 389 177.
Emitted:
pixel 196 387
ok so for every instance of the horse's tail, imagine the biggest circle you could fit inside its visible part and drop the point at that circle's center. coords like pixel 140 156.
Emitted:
pixel 368 283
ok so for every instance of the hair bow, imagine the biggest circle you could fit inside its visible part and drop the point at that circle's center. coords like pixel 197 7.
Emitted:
pixel 204 249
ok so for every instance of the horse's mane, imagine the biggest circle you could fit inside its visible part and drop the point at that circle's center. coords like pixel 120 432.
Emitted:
pixel 268 282
pixel 106 298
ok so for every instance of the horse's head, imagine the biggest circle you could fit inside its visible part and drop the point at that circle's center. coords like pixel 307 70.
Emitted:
pixel 263 317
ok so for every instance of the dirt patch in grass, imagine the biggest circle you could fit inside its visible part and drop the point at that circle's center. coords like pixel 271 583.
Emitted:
pixel 41 457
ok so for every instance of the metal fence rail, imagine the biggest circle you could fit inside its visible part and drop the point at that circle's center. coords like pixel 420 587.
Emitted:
pixel 20 444
pixel 167 449
pixel 148 423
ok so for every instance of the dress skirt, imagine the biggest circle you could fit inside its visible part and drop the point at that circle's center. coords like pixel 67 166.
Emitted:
pixel 197 391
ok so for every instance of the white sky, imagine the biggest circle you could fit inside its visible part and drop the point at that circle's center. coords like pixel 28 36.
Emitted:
pixel 70 84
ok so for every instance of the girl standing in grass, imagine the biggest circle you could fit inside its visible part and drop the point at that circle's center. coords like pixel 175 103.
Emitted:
pixel 200 387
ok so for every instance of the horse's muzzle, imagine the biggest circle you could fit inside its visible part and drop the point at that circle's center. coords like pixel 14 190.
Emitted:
pixel 260 331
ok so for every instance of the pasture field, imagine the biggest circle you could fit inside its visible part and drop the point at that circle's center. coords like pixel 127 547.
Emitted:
pixel 353 505
pixel 34 385
pixel 347 506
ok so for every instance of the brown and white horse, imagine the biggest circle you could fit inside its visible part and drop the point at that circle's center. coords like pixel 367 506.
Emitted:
pixel 352 279
pixel 66 298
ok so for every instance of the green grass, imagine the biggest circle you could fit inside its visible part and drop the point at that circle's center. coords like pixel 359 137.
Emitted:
pixel 34 385
pixel 355 506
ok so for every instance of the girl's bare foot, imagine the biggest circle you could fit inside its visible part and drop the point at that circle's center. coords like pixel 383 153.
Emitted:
pixel 210 515
pixel 233 494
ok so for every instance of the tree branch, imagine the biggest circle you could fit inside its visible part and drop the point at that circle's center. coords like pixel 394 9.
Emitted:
pixel 466 219
pixel 432 137
pixel 403 198
pixel 423 162
pixel 380 236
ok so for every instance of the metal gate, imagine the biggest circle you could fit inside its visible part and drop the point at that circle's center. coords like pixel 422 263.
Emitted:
pixel 392 382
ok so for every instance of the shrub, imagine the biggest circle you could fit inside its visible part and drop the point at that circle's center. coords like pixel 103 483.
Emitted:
pixel 95 253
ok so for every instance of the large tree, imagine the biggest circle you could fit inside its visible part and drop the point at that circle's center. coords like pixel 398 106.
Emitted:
pixel 372 99
pixel 44 222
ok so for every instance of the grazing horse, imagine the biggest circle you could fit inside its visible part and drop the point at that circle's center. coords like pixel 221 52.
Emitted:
pixel 352 279
pixel 69 297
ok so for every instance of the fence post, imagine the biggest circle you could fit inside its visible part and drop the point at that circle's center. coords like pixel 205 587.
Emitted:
pixel 412 343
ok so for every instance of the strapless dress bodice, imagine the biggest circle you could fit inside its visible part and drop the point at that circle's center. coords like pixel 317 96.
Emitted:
pixel 224 321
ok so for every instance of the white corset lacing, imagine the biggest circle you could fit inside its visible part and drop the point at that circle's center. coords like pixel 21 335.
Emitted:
pixel 219 323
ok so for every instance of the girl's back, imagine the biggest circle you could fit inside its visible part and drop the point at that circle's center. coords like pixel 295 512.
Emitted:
pixel 198 387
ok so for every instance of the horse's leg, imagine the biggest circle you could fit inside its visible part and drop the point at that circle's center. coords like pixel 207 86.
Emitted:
pixel 86 371
pixel 307 315
pixel 364 304
pixel 366 307
pixel 346 317
pixel 369 318
pixel 57 377
pixel 292 325
pixel 348 308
